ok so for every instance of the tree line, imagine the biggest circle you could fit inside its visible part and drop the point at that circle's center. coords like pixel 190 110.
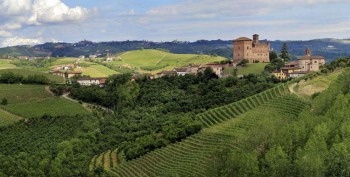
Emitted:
pixel 11 78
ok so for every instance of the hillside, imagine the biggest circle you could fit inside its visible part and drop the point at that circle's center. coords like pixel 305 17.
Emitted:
pixel 27 72
pixel 263 129
pixel 156 60
pixel 330 48
pixel 34 101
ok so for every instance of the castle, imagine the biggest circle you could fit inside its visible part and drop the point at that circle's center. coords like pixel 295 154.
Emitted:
pixel 252 50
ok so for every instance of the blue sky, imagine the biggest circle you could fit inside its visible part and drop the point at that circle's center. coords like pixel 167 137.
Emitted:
pixel 37 21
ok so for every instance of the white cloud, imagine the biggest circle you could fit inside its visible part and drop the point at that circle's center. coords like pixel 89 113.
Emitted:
pixel 20 41
pixel 14 7
pixel 5 34
pixel 55 11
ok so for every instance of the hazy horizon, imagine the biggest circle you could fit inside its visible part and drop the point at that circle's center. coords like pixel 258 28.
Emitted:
pixel 30 22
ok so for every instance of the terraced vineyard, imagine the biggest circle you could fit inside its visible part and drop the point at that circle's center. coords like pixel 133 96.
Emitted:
pixel 192 156
pixel 221 114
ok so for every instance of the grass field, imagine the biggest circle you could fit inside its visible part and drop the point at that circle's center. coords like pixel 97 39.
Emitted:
pixel 26 72
pixel 7 118
pixel 96 70
pixel 161 60
pixel 4 64
pixel 253 68
pixel 33 100
pixel 315 85
pixel 63 61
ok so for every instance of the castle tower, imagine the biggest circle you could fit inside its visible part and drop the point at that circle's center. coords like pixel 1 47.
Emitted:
pixel 255 39
pixel 307 52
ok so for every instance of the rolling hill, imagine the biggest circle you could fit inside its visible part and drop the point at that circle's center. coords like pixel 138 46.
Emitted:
pixel 149 60
pixel 248 128
pixel 330 48
pixel 34 101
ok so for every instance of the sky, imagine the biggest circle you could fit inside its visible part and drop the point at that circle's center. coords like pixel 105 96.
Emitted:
pixel 30 22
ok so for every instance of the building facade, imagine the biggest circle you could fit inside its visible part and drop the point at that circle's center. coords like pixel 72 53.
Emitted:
pixel 310 63
pixel 252 50
pixel 303 66
pixel 101 81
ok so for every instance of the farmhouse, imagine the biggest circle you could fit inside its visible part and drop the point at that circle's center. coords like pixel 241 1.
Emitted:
pixel 166 73
pixel 182 71
pixel 217 68
pixel 252 50
pixel 88 81
pixel 67 74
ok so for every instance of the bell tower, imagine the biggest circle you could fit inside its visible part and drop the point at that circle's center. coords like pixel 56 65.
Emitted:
pixel 255 39
pixel 307 52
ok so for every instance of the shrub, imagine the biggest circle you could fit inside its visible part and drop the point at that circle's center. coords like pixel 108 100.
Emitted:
pixel 4 101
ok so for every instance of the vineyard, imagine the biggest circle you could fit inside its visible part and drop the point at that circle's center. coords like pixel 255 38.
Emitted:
pixel 192 156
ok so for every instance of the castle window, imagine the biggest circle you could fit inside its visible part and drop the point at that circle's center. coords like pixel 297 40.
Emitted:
pixel 247 47
pixel 315 62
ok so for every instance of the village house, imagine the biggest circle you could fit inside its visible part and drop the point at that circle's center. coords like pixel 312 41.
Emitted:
pixel 89 81
pixel 182 71
pixel 279 74
pixel 217 69
pixel 166 73
pixel 252 50
pixel 67 74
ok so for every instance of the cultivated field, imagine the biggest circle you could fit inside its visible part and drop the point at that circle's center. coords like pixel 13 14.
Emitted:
pixel 7 118
pixel 63 61
pixel 26 72
pixel 34 100
pixel 315 85
pixel 226 128
pixel 156 60
pixel 5 64
pixel 96 70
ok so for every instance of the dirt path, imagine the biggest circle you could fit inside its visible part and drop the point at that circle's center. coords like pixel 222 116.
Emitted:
pixel 87 106
pixel 47 88
pixel 160 59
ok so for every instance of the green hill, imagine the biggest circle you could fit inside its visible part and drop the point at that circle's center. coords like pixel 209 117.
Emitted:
pixel 34 100
pixel 272 127
pixel 150 60
pixel 224 126
pixel 5 64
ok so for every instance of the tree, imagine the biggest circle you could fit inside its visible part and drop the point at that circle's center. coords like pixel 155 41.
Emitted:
pixel 4 101
pixel 273 55
pixel 277 162
pixel 243 62
pixel 284 53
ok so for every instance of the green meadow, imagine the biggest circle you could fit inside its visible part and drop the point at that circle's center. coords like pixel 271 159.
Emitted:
pixel 156 60
pixel 96 70
pixel 5 64
pixel 7 118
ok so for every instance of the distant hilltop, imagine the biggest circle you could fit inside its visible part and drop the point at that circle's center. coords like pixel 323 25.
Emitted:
pixel 329 48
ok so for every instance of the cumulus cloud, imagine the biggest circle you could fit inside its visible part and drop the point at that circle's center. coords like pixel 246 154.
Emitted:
pixel 20 41
pixel 14 7
pixel 55 11
pixel 5 34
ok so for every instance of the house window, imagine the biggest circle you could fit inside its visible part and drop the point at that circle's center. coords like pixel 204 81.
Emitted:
pixel 315 62
pixel 239 48
pixel 247 47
